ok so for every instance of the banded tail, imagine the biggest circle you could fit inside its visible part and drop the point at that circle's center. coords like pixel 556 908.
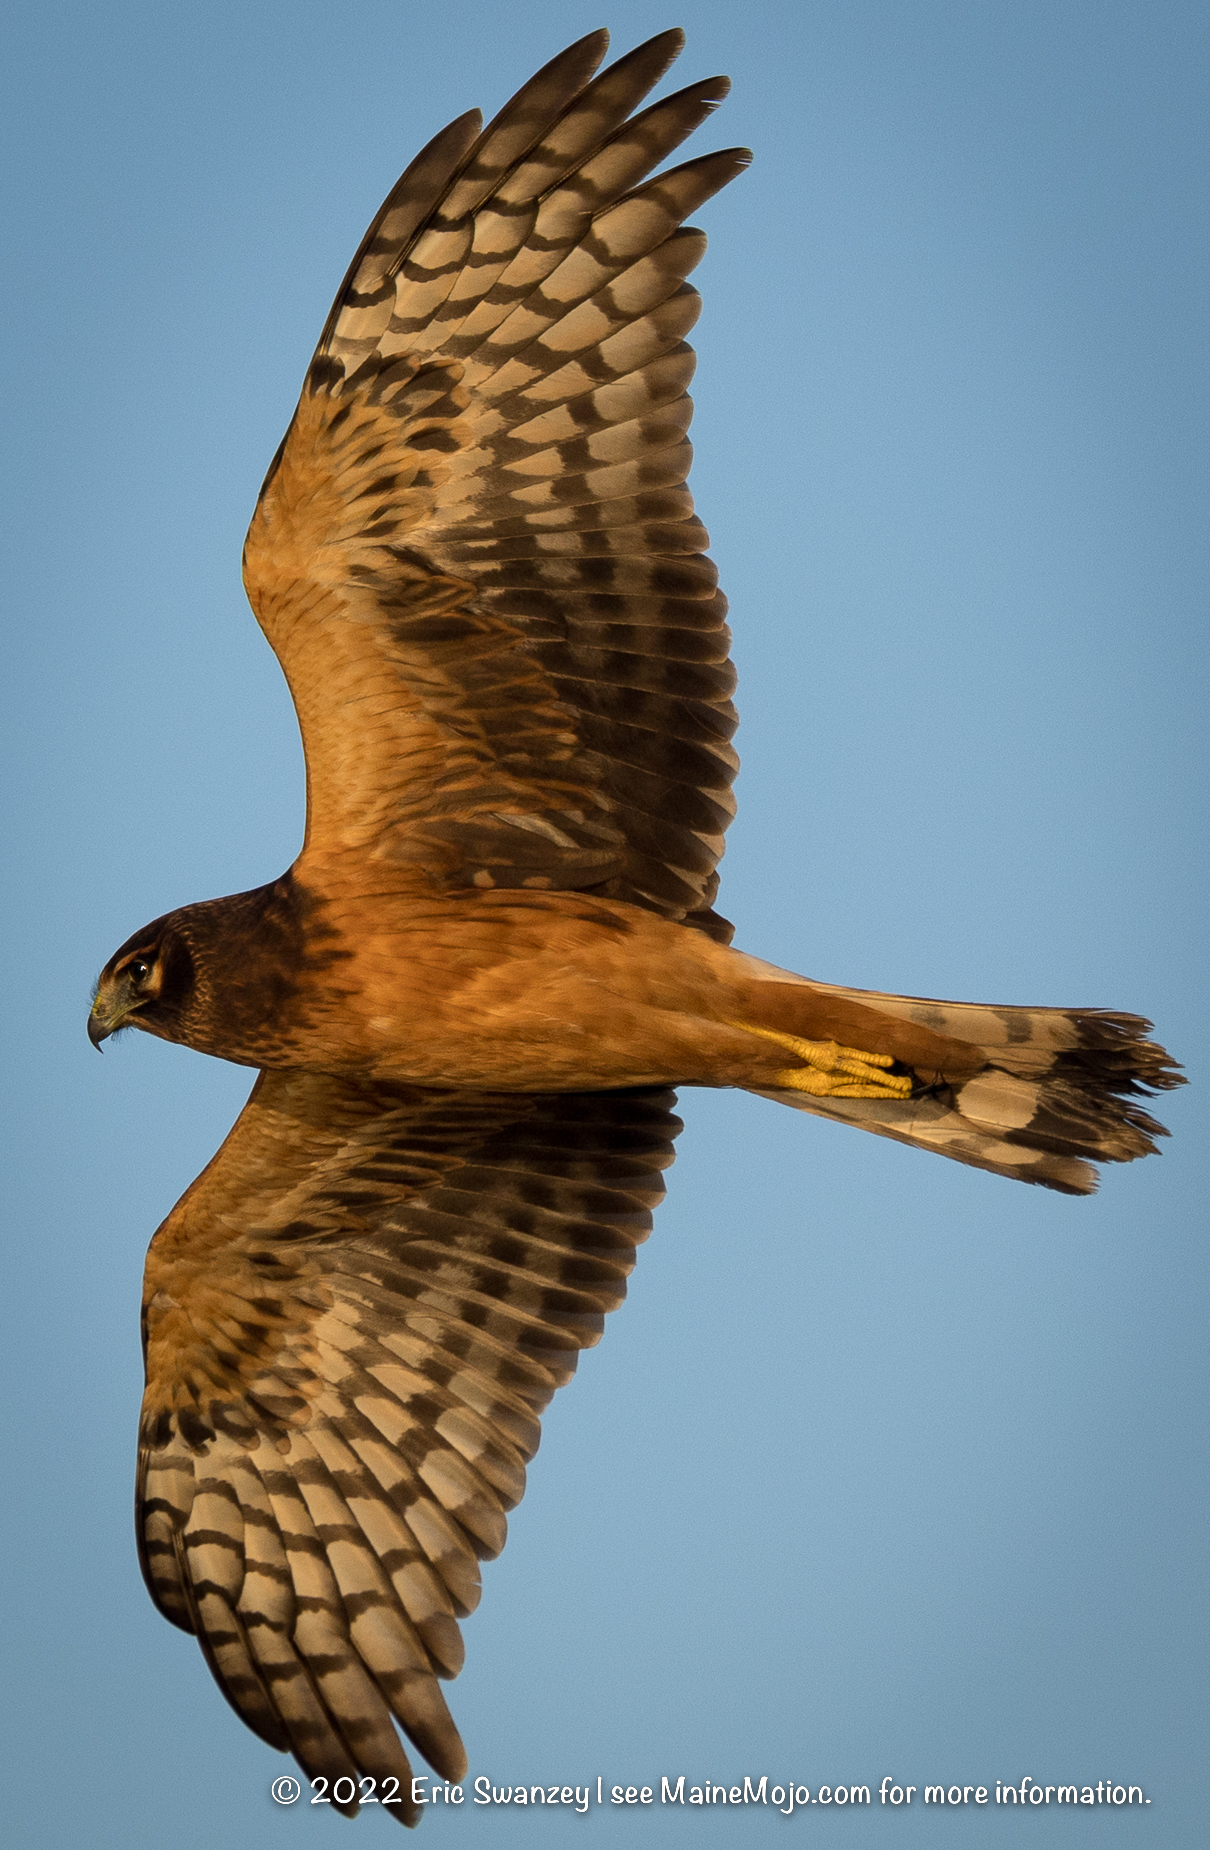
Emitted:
pixel 1047 1092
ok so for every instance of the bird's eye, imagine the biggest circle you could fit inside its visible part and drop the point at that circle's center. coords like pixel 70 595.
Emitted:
pixel 138 971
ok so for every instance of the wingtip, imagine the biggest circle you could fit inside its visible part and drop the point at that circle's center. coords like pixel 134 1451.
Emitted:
pixel 470 122
pixel 585 53
pixel 671 43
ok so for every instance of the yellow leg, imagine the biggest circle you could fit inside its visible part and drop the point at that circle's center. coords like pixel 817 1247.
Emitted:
pixel 832 1071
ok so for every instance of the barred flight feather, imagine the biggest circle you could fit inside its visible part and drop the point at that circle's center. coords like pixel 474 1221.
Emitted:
pixel 324 1556
pixel 516 316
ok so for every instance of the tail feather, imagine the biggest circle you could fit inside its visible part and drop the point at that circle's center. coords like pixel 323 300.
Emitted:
pixel 1053 1095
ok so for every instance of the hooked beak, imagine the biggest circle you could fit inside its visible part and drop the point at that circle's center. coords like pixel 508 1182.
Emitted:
pixel 112 1009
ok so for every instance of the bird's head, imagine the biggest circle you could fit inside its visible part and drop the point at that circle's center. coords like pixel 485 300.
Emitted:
pixel 144 984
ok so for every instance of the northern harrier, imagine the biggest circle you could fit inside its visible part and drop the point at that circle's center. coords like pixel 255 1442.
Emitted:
pixel 476 558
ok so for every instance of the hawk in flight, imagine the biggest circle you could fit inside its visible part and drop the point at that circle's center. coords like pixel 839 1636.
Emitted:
pixel 478 563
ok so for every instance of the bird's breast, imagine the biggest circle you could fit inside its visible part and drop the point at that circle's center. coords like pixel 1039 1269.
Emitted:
pixel 556 992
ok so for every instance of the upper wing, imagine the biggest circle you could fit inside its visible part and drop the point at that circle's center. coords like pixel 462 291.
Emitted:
pixel 475 555
pixel 351 1322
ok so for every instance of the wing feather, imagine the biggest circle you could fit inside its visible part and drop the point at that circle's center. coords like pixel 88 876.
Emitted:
pixel 475 554
pixel 352 1321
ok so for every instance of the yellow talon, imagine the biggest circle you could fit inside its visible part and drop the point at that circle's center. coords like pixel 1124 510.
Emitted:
pixel 832 1071
pixel 829 1085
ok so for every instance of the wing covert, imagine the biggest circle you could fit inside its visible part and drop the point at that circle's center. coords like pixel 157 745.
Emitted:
pixel 352 1321
pixel 475 554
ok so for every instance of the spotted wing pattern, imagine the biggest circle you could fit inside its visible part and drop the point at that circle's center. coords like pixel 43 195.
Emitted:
pixel 352 1321
pixel 475 554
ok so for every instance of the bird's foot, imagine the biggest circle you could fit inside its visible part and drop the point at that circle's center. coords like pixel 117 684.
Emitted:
pixel 832 1071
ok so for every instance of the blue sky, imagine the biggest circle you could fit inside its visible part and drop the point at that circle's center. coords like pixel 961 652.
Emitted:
pixel 886 1467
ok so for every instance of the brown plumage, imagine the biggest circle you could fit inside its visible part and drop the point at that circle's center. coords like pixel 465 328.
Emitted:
pixel 478 563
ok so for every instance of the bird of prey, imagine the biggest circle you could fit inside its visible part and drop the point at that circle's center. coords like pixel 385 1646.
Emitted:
pixel 469 998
